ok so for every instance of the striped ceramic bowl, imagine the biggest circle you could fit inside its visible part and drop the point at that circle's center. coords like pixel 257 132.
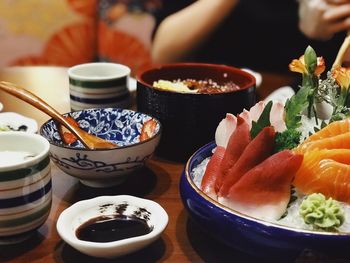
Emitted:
pixel 99 85
pixel 25 185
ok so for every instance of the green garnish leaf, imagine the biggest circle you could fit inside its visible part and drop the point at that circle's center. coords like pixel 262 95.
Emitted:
pixel 295 106
pixel 262 122
pixel 340 113
pixel 310 58
pixel 287 140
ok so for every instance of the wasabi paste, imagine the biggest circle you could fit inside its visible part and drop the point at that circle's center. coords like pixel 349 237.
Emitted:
pixel 321 212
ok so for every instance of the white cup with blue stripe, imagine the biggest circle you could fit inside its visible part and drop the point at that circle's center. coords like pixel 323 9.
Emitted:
pixel 25 185
pixel 99 85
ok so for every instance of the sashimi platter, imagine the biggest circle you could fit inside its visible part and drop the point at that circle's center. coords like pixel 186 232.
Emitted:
pixel 278 174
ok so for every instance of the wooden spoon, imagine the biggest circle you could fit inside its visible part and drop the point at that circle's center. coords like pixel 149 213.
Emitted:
pixel 90 141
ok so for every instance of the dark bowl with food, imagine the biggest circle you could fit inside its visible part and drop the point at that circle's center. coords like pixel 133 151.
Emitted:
pixel 189 118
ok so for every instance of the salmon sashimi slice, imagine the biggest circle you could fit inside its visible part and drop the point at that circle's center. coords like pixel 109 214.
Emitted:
pixel 332 129
pixel 256 151
pixel 238 141
pixel 264 191
pixel 222 134
pixel 341 141
pixel 327 172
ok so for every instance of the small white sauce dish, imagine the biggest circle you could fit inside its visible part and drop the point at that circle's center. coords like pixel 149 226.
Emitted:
pixel 13 121
pixel 81 212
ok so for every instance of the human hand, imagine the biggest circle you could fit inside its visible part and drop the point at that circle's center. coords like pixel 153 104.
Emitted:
pixel 337 2
pixel 321 19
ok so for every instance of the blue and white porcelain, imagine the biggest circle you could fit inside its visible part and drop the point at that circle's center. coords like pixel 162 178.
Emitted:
pixel 110 206
pixel 25 185
pixel 103 167
pixel 249 234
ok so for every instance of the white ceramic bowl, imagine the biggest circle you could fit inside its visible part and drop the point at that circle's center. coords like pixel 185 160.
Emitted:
pixel 25 185
pixel 103 167
pixel 79 213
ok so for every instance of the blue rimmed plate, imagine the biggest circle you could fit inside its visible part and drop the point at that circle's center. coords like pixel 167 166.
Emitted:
pixel 249 234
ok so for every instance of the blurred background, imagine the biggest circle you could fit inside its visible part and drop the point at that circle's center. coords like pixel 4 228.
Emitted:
pixel 70 32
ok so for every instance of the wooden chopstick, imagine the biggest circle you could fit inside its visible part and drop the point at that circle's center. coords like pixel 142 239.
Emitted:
pixel 342 51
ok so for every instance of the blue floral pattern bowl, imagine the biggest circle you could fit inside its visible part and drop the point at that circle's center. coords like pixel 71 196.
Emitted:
pixel 249 234
pixel 103 167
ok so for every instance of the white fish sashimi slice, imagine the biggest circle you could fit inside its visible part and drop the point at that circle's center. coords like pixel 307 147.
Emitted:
pixel 269 212
pixel 277 116
pixel 256 110
pixel 225 129
pixel 228 125
pixel 254 113
pixel 245 115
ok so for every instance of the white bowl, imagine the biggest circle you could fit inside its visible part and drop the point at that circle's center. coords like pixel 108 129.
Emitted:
pixel 79 213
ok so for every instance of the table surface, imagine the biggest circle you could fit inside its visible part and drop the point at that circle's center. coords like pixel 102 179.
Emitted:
pixel 182 240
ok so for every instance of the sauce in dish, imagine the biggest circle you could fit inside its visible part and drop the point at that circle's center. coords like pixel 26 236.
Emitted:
pixel 14 157
pixel 112 228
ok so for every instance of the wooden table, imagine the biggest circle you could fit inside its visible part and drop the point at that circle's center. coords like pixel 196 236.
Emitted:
pixel 182 240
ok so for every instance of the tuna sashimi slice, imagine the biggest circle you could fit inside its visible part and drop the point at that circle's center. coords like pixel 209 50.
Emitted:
pixel 256 151
pixel 212 172
pixel 264 191
pixel 238 141
pixel 222 134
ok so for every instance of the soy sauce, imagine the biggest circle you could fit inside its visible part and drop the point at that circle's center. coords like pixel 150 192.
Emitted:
pixel 112 228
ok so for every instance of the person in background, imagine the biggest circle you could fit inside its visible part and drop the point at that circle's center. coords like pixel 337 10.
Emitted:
pixel 262 35
pixel 322 19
